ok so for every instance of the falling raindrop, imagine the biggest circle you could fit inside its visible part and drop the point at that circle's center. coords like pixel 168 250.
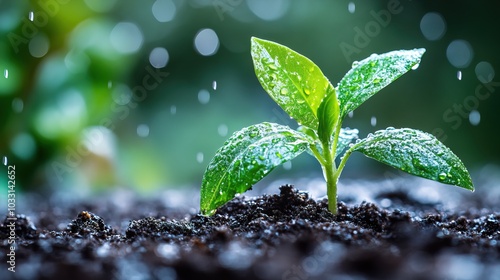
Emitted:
pixel 31 16
pixel 373 121
pixel 222 130
pixel 203 96
pixel 459 75
pixel 474 117
pixel 143 130
pixel 351 7
pixel 4 161
pixel 173 109
pixel 6 73
pixel 17 105
pixel 214 85
pixel 287 165
pixel 351 114
pixel 206 42
pixel 199 157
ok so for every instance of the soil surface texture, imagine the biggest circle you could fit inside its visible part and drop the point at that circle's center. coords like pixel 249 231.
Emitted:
pixel 288 235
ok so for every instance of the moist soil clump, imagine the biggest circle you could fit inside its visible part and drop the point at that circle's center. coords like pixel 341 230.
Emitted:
pixel 282 236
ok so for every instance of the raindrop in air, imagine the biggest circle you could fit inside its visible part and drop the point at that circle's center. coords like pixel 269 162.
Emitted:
pixel 4 161
pixel 206 42
pixel 203 96
pixel 6 73
pixel 143 130
pixel 373 121
pixel 158 57
pixel 31 16
pixel 474 117
pixel 433 26
pixel 199 157
pixel 17 105
pixel 484 72
pixel 222 130
pixel 173 109
pixel 351 114
pixel 351 7
pixel 287 165
pixel 459 53
pixel 459 75
pixel 214 85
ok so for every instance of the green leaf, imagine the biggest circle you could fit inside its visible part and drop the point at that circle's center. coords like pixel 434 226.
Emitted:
pixel 417 153
pixel 328 115
pixel 372 74
pixel 245 158
pixel 291 79
pixel 346 137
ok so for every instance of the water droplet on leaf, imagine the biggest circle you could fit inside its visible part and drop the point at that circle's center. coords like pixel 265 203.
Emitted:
pixel 442 176
pixel 284 91
pixel 414 67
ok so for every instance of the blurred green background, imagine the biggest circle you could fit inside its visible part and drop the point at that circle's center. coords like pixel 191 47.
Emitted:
pixel 96 94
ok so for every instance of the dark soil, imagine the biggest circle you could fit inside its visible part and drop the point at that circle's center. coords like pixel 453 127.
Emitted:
pixel 282 236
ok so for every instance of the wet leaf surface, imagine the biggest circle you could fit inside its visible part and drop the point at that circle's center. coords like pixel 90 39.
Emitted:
pixel 369 76
pixel 417 153
pixel 291 79
pixel 246 157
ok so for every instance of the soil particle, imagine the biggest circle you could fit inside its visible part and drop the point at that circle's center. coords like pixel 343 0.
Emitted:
pixel 283 236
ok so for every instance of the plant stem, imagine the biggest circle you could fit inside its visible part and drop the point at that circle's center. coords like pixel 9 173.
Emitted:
pixel 330 170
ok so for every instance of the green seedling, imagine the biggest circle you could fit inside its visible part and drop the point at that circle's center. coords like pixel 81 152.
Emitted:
pixel 300 88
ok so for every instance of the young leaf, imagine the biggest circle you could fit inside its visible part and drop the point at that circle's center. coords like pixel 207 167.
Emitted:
pixel 292 80
pixel 245 158
pixel 372 74
pixel 346 137
pixel 417 153
pixel 328 115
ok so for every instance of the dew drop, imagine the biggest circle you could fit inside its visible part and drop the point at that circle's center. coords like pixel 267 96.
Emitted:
pixel 355 63
pixel 199 157
pixel 6 73
pixel 351 114
pixel 414 67
pixel 459 75
pixel 373 121
pixel 307 91
pixel 214 85
pixel 273 66
pixel 31 16
pixel 311 69
pixel 442 176
pixel 284 91
pixel 376 81
pixel 4 161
